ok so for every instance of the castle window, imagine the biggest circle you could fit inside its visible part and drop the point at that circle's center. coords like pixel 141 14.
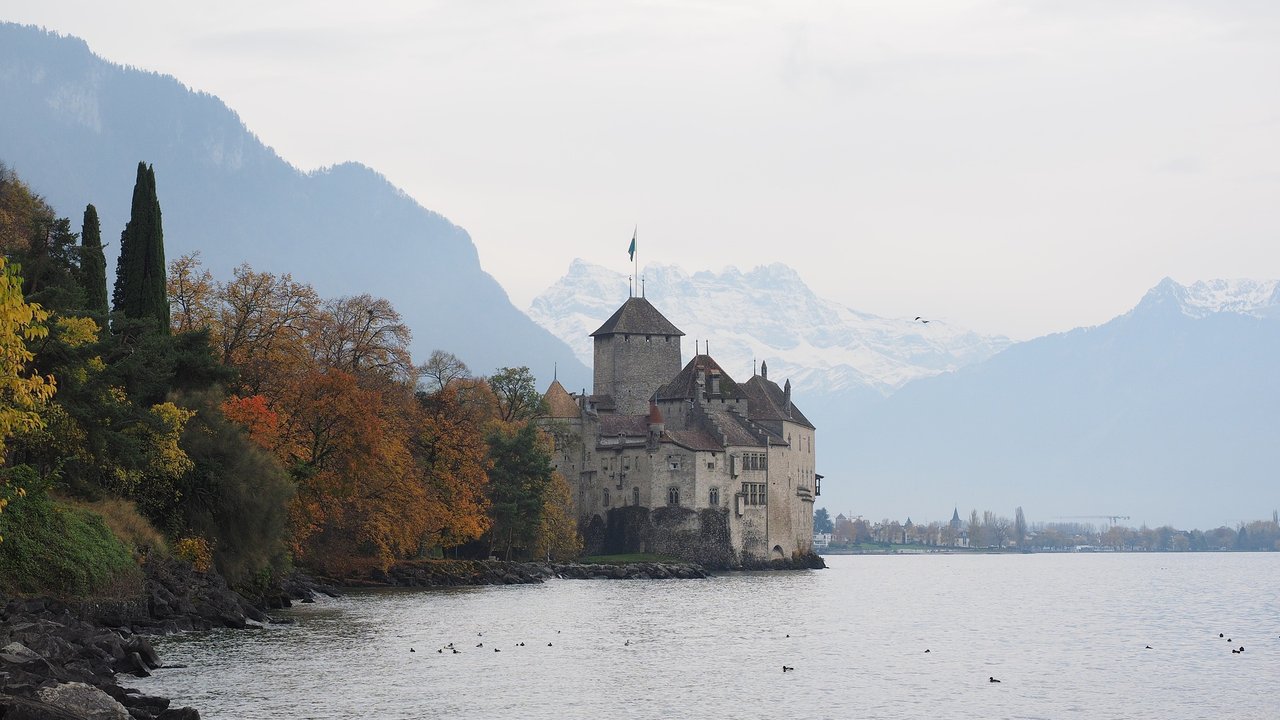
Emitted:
pixel 713 498
pixel 635 496
pixel 673 462
pixel 605 494
pixel 754 493
pixel 673 496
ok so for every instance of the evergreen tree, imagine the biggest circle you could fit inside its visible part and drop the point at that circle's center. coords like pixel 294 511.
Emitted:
pixel 140 271
pixel 518 482
pixel 822 521
pixel 93 264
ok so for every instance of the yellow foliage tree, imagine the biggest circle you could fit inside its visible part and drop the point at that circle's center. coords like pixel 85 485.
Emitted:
pixel 21 393
pixel 558 531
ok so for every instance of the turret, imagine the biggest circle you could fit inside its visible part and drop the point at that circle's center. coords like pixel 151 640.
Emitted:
pixel 656 424
pixel 636 350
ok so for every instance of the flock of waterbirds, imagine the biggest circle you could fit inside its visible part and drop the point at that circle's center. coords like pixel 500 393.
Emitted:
pixel 785 668
pixel 455 651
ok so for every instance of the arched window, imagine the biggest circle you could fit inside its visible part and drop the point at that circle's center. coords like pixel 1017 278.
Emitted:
pixel 713 498
pixel 673 496
pixel 605 494
pixel 635 496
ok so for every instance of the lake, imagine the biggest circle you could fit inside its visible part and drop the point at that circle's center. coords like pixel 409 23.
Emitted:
pixel 1065 634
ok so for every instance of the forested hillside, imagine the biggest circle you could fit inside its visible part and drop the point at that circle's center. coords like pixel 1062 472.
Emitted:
pixel 244 422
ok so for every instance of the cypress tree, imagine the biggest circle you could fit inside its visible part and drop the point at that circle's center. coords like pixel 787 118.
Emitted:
pixel 140 272
pixel 93 264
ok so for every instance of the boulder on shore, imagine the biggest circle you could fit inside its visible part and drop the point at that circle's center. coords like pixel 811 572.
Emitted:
pixel 83 701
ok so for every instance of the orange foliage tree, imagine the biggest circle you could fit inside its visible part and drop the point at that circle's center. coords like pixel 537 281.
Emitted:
pixel 327 386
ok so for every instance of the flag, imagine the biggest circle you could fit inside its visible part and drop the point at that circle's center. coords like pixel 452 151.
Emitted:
pixel 631 251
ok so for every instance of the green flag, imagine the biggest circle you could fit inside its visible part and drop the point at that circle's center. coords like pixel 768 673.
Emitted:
pixel 631 251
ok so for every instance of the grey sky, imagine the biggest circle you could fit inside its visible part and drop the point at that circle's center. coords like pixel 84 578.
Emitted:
pixel 1018 167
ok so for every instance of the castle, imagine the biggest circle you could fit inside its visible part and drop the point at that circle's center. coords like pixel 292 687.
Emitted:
pixel 684 461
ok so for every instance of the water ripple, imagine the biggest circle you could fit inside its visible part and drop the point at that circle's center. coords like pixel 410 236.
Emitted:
pixel 1065 634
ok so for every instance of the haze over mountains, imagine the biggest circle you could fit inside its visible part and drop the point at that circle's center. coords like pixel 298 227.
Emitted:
pixel 1169 413
pixel 75 126
pixel 767 314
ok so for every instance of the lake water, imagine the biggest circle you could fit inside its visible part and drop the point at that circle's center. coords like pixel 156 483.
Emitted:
pixel 1065 634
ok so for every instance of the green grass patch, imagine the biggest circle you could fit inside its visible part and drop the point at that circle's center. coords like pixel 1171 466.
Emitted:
pixel 52 548
pixel 629 558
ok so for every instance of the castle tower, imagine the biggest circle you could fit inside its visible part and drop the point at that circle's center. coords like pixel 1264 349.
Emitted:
pixel 636 350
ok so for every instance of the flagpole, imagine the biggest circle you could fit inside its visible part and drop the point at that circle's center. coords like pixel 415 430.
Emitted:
pixel 634 235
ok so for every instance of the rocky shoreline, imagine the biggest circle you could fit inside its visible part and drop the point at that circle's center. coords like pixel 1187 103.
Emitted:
pixel 455 573
pixel 61 660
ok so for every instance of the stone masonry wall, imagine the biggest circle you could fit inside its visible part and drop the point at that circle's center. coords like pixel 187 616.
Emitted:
pixel 632 367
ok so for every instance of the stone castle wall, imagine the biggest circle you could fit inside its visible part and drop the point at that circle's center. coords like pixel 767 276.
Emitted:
pixel 632 367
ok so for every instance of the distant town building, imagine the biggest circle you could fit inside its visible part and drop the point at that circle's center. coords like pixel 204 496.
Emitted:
pixel 683 461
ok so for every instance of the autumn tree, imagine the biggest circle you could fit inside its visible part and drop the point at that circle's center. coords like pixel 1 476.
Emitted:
pixel 557 537
pixel 361 334
pixel 518 396
pixel 261 324
pixel 21 393
pixel 190 288
pixel 452 452
pixel 441 370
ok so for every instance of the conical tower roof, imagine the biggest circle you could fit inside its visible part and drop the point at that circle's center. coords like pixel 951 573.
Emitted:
pixel 560 404
pixel 637 316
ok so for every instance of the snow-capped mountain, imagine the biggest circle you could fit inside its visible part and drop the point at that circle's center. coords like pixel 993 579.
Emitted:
pixel 767 314
pixel 1258 298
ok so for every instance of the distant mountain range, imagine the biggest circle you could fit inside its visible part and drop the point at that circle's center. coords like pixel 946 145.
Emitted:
pixel 768 314
pixel 1169 413
pixel 75 126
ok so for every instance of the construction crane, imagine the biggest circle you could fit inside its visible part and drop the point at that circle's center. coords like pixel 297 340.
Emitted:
pixel 1111 519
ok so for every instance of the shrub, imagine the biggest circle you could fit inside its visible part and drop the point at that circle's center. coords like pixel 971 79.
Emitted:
pixel 195 550
pixel 236 494
pixel 125 522
pixel 52 548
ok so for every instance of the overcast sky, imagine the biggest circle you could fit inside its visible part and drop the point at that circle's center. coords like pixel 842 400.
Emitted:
pixel 1017 167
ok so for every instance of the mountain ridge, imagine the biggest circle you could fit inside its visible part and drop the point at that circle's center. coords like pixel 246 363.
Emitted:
pixel 1160 414
pixel 1165 413
pixel 766 313
pixel 79 124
